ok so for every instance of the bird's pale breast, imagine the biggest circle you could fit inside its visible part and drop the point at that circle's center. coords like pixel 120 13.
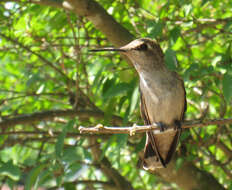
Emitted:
pixel 164 99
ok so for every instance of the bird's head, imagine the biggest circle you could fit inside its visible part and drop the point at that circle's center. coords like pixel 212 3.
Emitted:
pixel 143 52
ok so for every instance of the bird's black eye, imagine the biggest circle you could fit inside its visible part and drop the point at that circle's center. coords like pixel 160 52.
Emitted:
pixel 142 47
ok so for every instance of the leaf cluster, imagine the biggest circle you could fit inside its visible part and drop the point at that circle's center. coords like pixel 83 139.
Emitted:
pixel 46 65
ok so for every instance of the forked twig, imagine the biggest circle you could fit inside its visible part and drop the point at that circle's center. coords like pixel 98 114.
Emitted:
pixel 100 129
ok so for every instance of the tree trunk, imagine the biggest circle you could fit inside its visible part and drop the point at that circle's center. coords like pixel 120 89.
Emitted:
pixel 188 177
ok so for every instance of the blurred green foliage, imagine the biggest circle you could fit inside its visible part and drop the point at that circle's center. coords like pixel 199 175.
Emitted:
pixel 44 50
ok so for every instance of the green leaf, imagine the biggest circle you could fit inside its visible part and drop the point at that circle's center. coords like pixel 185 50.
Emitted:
pixel 59 180
pixel 192 71
pixel 155 29
pixel 204 2
pixel 134 99
pixel 121 140
pixel 33 175
pixel 121 102
pixel 174 34
pixel 11 183
pixel 87 154
pixel 126 115
pixel 69 186
pixel 107 85
pixel 60 140
pixel 187 9
pixel 227 86
pixel 98 76
pixel 71 154
pixel 106 146
pixel 71 171
pixel 60 143
pixel 184 135
pixel 170 59
pixel 10 170
pixel 44 177
pixel 116 90
pixel 141 144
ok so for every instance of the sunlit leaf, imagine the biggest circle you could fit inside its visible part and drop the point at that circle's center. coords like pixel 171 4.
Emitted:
pixel 155 29
pixel 69 186
pixel 141 144
pixel 227 87
pixel 174 34
pixel 33 175
pixel 134 99
pixel 170 59
pixel 10 170
pixel 60 141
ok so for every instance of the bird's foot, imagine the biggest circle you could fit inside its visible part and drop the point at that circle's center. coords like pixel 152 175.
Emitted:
pixel 133 129
pixel 177 125
pixel 162 126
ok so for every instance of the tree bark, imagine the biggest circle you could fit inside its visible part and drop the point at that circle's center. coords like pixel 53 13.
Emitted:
pixel 104 164
pixel 90 9
pixel 188 177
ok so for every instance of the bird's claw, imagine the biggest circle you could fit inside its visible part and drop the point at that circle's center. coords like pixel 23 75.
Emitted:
pixel 162 126
pixel 177 125
pixel 133 129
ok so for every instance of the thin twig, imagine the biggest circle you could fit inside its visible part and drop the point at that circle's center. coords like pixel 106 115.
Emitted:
pixel 46 61
pixel 34 94
pixel 100 129
pixel 8 121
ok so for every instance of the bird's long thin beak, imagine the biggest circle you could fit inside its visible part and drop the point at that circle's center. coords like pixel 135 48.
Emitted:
pixel 108 49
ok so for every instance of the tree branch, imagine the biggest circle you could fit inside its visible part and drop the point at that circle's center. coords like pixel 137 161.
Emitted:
pixel 26 119
pixel 53 134
pixel 188 176
pixel 207 23
pixel 100 129
pixel 104 184
pixel 104 164
pixel 101 19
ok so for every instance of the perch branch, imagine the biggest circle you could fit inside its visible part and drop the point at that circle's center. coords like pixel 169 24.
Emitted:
pixel 100 129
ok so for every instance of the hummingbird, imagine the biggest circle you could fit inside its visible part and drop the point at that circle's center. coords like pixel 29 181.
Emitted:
pixel 162 100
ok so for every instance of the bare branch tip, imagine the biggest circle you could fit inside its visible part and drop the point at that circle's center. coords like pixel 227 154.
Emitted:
pixel 99 126
pixel 80 129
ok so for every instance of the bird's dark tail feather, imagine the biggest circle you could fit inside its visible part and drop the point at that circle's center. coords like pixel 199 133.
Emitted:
pixel 154 150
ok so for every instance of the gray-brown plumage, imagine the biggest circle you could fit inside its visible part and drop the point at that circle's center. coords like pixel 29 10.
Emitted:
pixel 163 100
